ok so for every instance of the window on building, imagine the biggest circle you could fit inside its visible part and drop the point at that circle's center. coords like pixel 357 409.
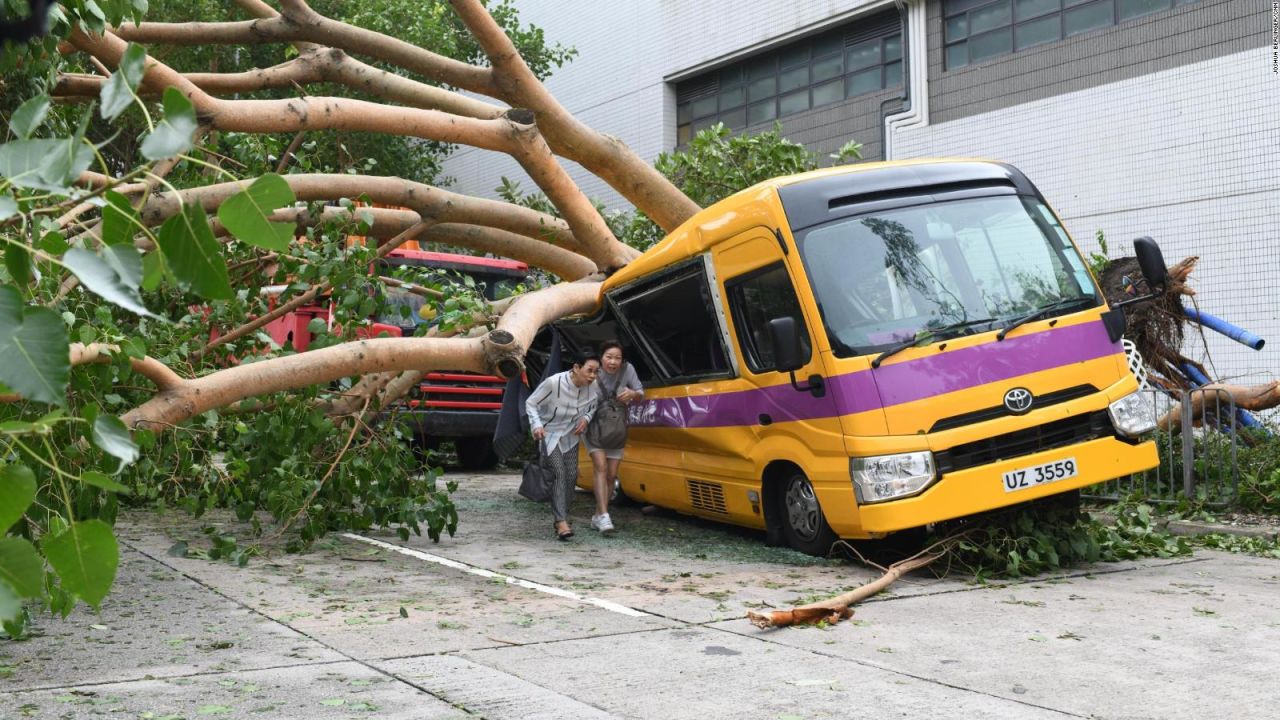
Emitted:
pixel 862 57
pixel 674 323
pixel 754 300
pixel 975 30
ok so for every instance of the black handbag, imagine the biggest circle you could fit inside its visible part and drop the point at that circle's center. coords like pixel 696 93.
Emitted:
pixel 537 478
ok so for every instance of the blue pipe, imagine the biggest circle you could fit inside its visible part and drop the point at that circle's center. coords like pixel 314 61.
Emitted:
pixel 1246 419
pixel 1217 324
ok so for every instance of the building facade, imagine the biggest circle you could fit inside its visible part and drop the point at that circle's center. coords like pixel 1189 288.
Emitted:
pixel 1134 117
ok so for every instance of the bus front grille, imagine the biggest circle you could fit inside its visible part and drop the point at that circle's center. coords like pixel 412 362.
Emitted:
pixel 1027 441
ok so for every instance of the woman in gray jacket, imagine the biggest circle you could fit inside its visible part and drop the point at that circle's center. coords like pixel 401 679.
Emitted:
pixel 559 410
pixel 616 382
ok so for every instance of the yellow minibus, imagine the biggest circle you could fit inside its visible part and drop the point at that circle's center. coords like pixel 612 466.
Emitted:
pixel 861 350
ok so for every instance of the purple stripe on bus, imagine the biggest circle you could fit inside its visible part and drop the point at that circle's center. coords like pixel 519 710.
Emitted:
pixel 949 371
pixel 898 383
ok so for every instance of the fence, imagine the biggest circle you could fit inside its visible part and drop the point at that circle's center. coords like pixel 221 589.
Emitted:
pixel 1196 463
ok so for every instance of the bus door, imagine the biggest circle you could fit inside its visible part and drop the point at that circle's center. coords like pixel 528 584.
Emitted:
pixel 786 423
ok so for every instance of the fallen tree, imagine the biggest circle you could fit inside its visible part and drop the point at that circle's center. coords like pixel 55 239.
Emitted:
pixel 1158 330
pixel 118 264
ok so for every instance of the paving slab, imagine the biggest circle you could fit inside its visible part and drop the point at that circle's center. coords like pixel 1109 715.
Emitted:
pixel 155 623
pixel 487 692
pixel 1189 639
pixel 707 674
pixel 309 692
pixel 350 595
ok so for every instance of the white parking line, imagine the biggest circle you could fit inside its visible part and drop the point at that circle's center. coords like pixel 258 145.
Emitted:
pixel 464 567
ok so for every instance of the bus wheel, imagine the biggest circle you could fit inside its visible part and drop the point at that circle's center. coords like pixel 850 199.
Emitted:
pixel 803 525
pixel 476 453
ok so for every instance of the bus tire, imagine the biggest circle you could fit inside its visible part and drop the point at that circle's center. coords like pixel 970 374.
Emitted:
pixel 803 525
pixel 476 453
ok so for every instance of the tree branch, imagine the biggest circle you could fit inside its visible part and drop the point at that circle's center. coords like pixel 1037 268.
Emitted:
pixel 502 350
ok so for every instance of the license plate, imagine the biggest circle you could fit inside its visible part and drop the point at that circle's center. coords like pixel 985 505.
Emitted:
pixel 1030 477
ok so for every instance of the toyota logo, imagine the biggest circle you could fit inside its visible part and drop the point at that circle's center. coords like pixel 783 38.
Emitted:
pixel 1018 400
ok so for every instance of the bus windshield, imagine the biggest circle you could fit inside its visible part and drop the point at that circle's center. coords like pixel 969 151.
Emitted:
pixel 961 266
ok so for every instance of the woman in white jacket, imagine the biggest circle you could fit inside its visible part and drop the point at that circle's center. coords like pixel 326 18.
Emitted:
pixel 559 410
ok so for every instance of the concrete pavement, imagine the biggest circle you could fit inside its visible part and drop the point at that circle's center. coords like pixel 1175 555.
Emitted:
pixel 502 621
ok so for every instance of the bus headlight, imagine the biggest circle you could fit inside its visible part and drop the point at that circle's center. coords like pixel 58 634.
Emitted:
pixel 887 477
pixel 1133 414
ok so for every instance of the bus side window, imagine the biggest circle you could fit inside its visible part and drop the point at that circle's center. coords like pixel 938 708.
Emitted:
pixel 674 324
pixel 754 300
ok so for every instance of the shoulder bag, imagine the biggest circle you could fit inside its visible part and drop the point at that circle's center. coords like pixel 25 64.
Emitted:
pixel 608 428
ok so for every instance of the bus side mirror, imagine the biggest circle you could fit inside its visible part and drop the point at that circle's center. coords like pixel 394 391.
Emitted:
pixel 788 355
pixel 786 344
pixel 1151 261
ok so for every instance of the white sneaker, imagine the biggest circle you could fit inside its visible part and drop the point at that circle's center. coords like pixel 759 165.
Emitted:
pixel 603 523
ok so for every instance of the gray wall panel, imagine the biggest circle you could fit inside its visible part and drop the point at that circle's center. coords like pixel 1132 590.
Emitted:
pixel 1183 35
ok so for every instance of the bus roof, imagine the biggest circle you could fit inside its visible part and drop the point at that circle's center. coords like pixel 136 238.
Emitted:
pixel 762 204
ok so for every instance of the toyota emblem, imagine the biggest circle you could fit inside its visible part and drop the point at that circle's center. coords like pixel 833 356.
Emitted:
pixel 1018 400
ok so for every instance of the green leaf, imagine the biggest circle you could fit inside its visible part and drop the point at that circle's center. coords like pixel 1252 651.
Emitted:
pixel 85 556
pixel 97 479
pixel 70 156
pixel 152 271
pixel 113 437
pixel 173 135
pixel 21 566
pixel 117 94
pixel 54 243
pixel 29 116
pixel 51 164
pixel 119 220
pixel 18 262
pixel 17 492
pixel 8 206
pixel 114 275
pixel 194 255
pixel 10 604
pixel 34 361
pixel 245 213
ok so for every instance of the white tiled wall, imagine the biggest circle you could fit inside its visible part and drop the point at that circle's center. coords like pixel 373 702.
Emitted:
pixel 1189 156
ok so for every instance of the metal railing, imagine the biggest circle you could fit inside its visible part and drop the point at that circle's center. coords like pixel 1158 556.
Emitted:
pixel 1197 453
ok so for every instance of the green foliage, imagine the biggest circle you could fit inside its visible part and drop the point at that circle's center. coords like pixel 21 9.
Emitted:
pixel 1258 463
pixel 1260 546
pixel 718 163
pixel 1098 262
pixel 1029 540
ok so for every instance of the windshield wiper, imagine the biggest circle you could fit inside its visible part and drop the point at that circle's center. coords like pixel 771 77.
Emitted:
pixel 926 333
pixel 1041 312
